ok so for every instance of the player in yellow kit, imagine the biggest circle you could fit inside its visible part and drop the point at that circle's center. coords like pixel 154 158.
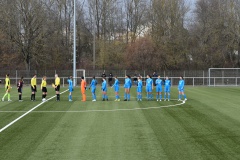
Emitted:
pixel 7 88
pixel 33 87
pixel 57 87
pixel 44 88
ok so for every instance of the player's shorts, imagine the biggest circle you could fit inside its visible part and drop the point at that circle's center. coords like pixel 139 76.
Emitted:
pixel 57 88
pixel 83 90
pixel 181 89
pixel 167 89
pixel 93 90
pixel 116 89
pixel 158 89
pixel 70 89
pixel 149 89
pixel 139 89
pixel 19 90
pixel 127 87
pixel 34 89
pixel 44 89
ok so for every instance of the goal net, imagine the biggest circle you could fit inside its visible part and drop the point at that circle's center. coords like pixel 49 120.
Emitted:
pixel 224 76
pixel 79 74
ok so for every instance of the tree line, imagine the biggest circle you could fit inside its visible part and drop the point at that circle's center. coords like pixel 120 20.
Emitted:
pixel 122 34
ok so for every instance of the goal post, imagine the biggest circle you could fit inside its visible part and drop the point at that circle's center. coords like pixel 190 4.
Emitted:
pixel 223 76
pixel 79 74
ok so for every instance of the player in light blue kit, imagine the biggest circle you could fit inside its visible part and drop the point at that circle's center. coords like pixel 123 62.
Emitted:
pixel 93 85
pixel 149 87
pixel 70 88
pixel 139 89
pixel 104 90
pixel 127 86
pixel 167 89
pixel 158 83
pixel 181 89
pixel 116 88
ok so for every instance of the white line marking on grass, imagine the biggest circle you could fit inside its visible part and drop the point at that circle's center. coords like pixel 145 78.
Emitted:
pixel 14 121
pixel 111 110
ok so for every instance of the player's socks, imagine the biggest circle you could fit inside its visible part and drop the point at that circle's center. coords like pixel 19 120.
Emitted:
pixel 160 96
pixel 106 97
pixel 42 96
pixel 185 97
pixel 5 95
pixel 165 96
pixel 58 97
pixel 168 96
pixel 157 96
pixel 31 96
pixel 19 97
pixel 34 95
pixel 179 96
pixel 125 95
pixel 8 96
pixel 128 96
pixel 93 96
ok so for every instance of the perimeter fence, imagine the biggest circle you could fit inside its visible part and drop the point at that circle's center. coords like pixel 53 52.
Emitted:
pixel 192 77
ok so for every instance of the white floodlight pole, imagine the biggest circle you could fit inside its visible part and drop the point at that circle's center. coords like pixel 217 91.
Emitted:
pixel 74 43
pixel 94 35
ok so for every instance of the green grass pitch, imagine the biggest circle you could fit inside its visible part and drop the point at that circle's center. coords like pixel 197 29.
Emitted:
pixel 207 126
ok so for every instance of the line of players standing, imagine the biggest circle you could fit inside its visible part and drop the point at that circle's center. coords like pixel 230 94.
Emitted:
pixel 150 83
pixel 127 86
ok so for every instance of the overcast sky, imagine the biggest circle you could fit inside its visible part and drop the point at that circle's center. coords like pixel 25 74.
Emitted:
pixel 191 3
pixel 190 16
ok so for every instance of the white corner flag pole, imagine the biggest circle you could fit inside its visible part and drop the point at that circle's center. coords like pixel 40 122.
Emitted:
pixel 74 43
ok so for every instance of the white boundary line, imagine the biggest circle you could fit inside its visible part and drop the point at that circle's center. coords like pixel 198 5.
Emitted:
pixel 87 111
pixel 14 121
